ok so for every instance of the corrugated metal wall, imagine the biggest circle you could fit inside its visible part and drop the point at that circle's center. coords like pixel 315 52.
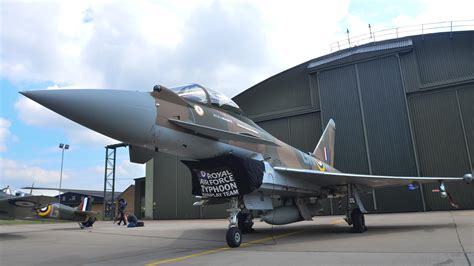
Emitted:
pixel 278 128
pixel 139 198
pixel 388 131
pixel 305 131
pixel 287 90
pixel 441 58
pixel 466 105
pixel 369 99
pixel 340 101
pixel 439 134
pixel 441 143
pixel 386 118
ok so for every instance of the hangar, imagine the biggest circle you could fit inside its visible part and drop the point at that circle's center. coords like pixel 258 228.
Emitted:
pixel 403 106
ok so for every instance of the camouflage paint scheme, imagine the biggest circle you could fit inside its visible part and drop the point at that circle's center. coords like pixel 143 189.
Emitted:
pixel 41 207
pixel 280 154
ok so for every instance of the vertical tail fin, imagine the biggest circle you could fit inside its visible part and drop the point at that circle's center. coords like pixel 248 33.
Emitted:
pixel 324 151
pixel 85 204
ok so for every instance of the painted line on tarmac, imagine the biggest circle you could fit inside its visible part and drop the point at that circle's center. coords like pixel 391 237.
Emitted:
pixel 228 248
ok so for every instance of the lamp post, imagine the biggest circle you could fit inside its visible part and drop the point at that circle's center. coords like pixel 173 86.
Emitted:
pixel 62 147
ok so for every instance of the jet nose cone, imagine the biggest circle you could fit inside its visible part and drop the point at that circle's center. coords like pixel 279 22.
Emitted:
pixel 123 115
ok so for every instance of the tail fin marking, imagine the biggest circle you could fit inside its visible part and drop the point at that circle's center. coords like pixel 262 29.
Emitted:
pixel 84 206
pixel 324 151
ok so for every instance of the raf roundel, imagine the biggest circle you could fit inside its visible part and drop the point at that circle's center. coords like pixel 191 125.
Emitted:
pixel 198 110
pixel 321 166
pixel 45 211
pixel 23 203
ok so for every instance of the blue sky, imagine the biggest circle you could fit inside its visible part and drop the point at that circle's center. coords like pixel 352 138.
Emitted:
pixel 37 157
pixel 225 45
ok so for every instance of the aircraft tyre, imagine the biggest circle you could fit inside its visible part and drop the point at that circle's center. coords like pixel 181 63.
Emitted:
pixel 234 237
pixel 88 223
pixel 358 221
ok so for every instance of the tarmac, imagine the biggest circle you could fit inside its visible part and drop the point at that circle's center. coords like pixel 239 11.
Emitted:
pixel 431 238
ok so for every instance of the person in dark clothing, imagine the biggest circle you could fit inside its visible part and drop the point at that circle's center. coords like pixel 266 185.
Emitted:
pixel 88 222
pixel 133 221
pixel 122 204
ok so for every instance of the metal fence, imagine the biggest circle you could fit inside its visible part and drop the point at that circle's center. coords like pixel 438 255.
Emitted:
pixel 398 32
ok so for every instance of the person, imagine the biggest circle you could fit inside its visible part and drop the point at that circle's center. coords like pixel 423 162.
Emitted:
pixel 88 222
pixel 121 208
pixel 133 221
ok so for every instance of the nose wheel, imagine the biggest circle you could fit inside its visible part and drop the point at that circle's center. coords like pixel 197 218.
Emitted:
pixel 234 237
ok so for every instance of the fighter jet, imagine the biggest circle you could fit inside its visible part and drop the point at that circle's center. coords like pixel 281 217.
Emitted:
pixel 23 206
pixel 231 158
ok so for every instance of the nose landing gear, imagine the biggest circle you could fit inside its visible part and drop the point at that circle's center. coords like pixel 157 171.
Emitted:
pixel 234 235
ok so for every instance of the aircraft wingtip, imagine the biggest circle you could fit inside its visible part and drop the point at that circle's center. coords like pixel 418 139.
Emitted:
pixel 467 178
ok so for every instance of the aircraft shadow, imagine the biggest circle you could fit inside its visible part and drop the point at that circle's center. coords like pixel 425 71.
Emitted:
pixel 305 232
pixel 11 236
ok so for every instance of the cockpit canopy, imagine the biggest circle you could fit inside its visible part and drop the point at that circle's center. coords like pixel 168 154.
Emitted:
pixel 197 93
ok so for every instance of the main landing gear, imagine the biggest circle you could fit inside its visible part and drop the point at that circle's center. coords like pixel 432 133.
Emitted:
pixel 240 222
pixel 358 221
pixel 354 215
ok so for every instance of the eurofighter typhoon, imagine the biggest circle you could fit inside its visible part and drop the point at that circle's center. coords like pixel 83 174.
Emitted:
pixel 231 159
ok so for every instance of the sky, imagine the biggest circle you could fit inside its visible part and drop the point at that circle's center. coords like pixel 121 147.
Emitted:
pixel 132 45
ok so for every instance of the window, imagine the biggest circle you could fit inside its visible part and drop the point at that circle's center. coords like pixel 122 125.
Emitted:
pixel 197 93
pixel 73 197
pixel 220 100
pixel 192 92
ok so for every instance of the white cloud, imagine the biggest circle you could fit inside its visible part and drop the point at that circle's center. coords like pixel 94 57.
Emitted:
pixel 126 169
pixel 19 174
pixel 5 134
pixel 14 171
pixel 134 45
pixel 226 45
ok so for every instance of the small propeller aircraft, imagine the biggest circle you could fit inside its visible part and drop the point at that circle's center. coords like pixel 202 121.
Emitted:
pixel 16 204
pixel 24 206
pixel 231 158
